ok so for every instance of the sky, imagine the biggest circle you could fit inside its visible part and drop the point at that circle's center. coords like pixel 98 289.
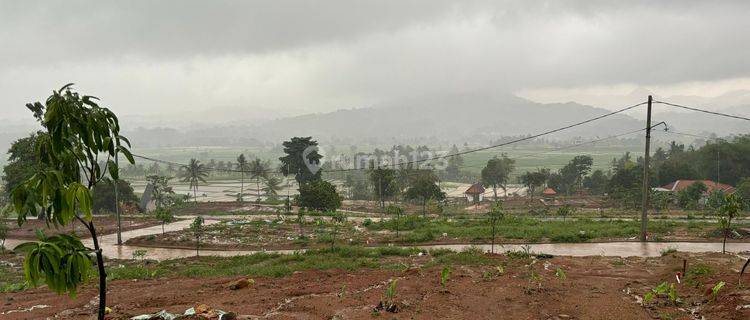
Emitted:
pixel 224 60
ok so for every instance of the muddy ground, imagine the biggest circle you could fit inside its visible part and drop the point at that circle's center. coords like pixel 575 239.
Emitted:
pixel 592 288
pixel 104 225
pixel 285 235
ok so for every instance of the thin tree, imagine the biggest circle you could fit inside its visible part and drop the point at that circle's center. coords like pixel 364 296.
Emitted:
pixel 242 166
pixel 77 132
pixel 258 170
pixel 383 181
pixel 495 215
pixel 397 212
pixel 197 227
pixel 195 173
pixel 728 211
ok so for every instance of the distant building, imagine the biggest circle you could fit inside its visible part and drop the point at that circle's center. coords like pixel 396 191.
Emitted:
pixel 549 192
pixel 711 186
pixel 475 193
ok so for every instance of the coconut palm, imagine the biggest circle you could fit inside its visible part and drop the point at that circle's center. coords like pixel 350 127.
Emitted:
pixel 195 172
pixel 258 170
pixel 273 186
pixel 242 166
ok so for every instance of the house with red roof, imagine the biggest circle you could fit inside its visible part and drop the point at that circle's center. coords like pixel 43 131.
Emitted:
pixel 475 193
pixel 549 192
pixel 711 186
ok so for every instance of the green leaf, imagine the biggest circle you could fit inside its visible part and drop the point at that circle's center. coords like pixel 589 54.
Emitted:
pixel 114 170
pixel 127 154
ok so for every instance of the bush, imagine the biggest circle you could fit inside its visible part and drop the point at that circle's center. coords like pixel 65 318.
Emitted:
pixel 318 195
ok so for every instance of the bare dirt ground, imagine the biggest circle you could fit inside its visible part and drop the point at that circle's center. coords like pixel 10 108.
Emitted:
pixel 593 288
pixel 104 225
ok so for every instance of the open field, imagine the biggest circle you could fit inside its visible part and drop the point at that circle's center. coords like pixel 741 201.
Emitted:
pixel 528 158
pixel 350 283
pixel 285 232
pixel 104 225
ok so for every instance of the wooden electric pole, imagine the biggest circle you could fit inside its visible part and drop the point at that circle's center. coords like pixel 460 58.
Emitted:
pixel 646 185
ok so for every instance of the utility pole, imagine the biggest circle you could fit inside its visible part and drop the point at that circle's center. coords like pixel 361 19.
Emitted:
pixel 718 163
pixel 117 207
pixel 380 188
pixel 288 202
pixel 646 185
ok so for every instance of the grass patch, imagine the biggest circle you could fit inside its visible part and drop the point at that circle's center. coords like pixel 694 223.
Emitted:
pixel 420 230
pixel 267 264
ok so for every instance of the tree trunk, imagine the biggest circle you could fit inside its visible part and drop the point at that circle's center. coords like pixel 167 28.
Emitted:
pixel 197 245
pixel 162 228
pixel 102 272
pixel 492 248
pixel 398 221
pixel 257 185
pixel 724 243
pixel 494 190
pixel 242 186
pixel 195 194
pixel 424 208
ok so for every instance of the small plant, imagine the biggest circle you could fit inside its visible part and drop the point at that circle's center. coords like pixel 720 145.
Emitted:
pixel 139 254
pixel 727 211
pixel 715 289
pixel 500 270
pixel 342 292
pixel 444 276
pixel 197 228
pixel 668 251
pixel 397 212
pixel 560 274
pixel 495 215
pixel 535 282
pixel 663 290
pixel 565 211
pixel 164 216
pixel 390 295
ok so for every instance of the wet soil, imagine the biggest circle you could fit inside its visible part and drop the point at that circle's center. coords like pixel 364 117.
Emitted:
pixel 104 225
pixel 593 288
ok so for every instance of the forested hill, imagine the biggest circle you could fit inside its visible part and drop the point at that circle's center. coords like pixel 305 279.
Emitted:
pixel 446 118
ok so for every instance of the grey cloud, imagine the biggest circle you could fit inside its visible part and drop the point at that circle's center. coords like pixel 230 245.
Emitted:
pixel 320 55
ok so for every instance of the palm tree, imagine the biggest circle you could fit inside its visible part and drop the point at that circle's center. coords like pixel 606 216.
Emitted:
pixel 258 170
pixel 273 186
pixel 195 173
pixel 242 165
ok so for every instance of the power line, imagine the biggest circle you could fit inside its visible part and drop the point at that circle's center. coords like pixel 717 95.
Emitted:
pixel 704 111
pixel 535 154
pixel 185 165
pixel 436 157
pixel 509 142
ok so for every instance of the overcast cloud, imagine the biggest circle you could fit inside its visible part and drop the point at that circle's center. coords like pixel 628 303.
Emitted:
pixel 289 57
